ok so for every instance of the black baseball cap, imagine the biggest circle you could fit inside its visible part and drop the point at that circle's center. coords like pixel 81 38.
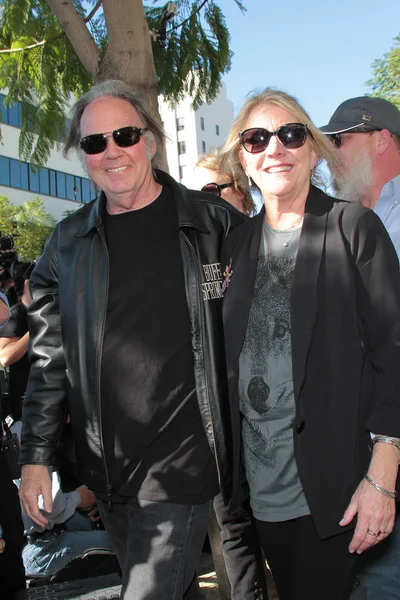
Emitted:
pixel 364 112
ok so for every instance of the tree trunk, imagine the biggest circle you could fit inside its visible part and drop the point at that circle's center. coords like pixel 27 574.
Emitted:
pixel 129 55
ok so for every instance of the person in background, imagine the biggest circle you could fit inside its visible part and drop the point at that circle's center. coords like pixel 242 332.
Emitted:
pixel 4 310
pixel 227 181
pixel 366 134
pixel 312 334
pixel 12 574
pixel 14 339
pixel 233 537
pixel 127 338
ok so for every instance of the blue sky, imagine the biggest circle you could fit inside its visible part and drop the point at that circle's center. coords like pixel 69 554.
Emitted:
pixel 321 52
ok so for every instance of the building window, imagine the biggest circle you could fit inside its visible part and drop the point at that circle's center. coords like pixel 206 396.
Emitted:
pixel 4 171
pixel 181 147
pixel 203 147
pixel 202 123
pixel 181 173
pixel 180 124
pixel 217 129
pixel 23 176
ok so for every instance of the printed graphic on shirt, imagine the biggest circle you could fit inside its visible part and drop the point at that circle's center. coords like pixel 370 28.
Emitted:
pixel 212 288
pixel 266 386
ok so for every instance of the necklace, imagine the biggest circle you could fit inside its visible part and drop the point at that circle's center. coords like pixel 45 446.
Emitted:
pixel 285 231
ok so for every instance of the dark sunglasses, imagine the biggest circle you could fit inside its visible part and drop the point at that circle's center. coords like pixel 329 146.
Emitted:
pixel 123 137
pixel 291 135
pixel 336 138
pixel 215 188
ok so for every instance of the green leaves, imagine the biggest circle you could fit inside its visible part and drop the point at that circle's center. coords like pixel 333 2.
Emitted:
pixel 385 81
pixel 29 223
pixel 42 72
pixel 197 52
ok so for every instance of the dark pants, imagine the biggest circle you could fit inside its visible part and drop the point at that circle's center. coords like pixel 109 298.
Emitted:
pixel 158 545
pixel 12 574
pixel 304 566
pixel 236 551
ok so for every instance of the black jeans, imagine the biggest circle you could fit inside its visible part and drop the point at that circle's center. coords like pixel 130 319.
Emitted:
pixel 158 545
pixel 304 566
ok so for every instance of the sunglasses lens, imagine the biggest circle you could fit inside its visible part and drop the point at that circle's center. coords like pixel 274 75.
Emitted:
pixel 123 137
pixel 94 144
pixel 292 135
pixel 211 188
pixel 126 136
pixel 255 140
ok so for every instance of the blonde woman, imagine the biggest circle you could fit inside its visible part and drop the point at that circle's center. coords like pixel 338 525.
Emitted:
pixel 312 326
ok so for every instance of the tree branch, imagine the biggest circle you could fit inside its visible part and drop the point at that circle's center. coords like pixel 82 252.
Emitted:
pixel 11 50
pixel 191 15
pixel 78 34
pixel 93 11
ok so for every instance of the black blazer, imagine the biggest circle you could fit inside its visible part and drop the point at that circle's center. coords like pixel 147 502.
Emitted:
pixel 345 330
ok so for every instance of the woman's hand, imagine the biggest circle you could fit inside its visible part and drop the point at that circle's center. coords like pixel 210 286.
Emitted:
pixel 375 511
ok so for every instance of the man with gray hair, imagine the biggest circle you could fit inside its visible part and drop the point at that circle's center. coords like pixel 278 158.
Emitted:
pixel 127 339
pixel 366 133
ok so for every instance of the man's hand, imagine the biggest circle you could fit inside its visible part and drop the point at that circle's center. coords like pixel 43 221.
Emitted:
pixel 36 481
pixel 88 499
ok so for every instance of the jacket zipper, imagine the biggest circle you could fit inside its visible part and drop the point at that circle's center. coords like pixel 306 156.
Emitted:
pixel 202 333
pixel 103 456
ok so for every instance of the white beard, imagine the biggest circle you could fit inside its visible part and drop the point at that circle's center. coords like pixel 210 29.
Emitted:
pixel 355 184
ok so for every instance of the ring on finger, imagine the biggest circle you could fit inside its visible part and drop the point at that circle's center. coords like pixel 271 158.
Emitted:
pixel 374 533
pixel 386 531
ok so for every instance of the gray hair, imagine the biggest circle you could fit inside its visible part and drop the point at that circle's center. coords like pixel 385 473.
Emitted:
pixel 116 89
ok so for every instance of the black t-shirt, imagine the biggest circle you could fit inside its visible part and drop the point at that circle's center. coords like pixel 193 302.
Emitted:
pixel 155 444
pixel 17 326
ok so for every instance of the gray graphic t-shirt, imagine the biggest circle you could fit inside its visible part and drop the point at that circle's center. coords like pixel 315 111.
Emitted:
pixel 266 386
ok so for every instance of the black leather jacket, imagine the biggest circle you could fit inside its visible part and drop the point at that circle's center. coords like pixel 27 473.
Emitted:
pixel 67 316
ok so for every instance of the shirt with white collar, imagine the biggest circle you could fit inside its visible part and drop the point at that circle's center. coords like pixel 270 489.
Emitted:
pixel 388 210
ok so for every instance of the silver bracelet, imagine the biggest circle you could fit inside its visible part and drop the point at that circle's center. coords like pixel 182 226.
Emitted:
pixel 381 489
pixel 385 439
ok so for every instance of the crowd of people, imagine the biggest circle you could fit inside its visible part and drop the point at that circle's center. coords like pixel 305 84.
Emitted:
pixel 209 360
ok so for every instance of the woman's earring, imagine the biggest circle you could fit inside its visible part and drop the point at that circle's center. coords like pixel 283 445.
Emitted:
pixel 250 181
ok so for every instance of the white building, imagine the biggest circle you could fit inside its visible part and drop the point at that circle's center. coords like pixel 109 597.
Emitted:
pixel 193 133
pixel 63 185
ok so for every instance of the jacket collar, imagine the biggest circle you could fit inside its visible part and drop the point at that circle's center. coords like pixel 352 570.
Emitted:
pixel 188 214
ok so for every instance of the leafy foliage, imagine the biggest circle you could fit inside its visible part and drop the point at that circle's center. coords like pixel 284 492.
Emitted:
pixel 196 54
pixel 44 71
pixel 29 223
pixel 41 75
pixel 385 82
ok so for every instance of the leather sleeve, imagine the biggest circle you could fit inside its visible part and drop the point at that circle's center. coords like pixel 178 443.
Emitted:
pixel 44 409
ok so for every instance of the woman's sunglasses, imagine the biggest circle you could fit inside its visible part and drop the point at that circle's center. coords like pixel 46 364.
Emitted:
pixel 123 137
pixel 337 140
pixel 215 188
pixel 291 135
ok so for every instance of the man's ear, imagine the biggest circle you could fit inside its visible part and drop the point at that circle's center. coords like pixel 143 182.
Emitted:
pixel 383 141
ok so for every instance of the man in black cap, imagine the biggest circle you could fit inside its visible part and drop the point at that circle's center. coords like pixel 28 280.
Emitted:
pixel 366 132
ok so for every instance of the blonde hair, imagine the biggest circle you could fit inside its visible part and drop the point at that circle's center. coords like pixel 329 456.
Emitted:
pixel 213 160
pixel 320 143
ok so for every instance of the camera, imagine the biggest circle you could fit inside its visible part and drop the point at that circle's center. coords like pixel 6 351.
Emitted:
pixel 8 254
